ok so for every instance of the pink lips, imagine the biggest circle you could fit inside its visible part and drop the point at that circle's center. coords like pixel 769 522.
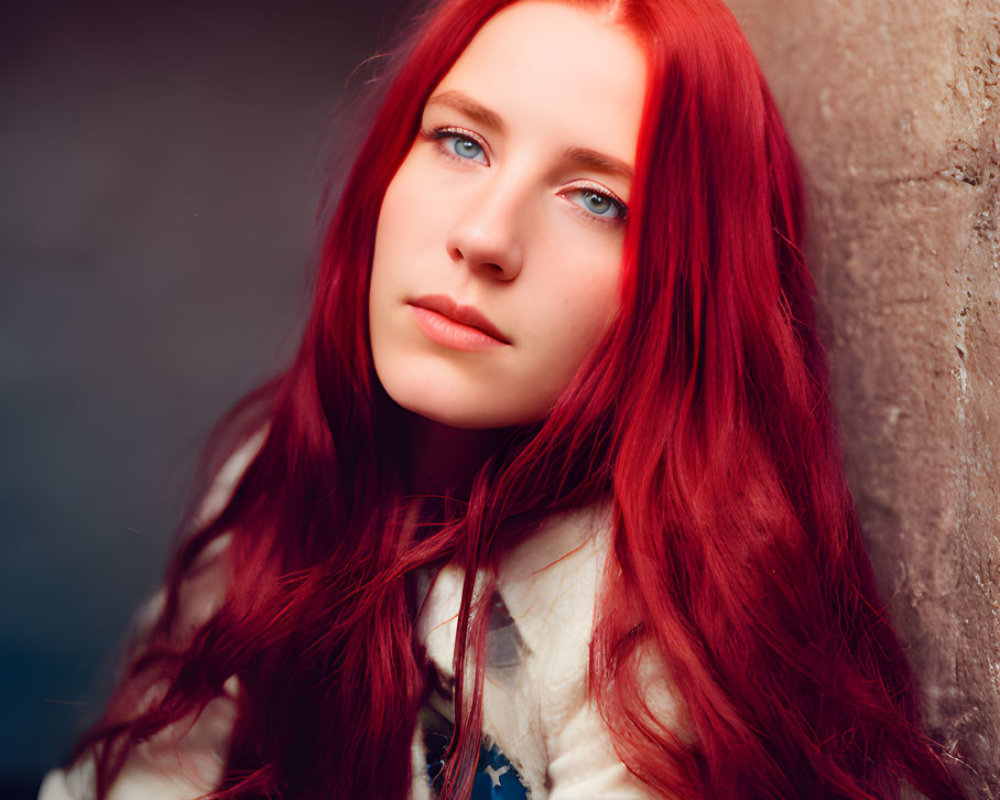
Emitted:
pixel 446 322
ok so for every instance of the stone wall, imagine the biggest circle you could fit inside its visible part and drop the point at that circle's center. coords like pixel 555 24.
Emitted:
pixel 894 109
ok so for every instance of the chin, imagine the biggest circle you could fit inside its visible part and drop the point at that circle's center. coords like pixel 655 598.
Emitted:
pixel 457 411
pixel 456 415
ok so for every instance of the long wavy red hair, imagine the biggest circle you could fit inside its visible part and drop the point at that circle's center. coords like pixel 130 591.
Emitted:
pixel 703 418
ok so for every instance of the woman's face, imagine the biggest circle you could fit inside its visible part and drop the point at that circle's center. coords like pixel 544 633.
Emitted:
pixel 498 251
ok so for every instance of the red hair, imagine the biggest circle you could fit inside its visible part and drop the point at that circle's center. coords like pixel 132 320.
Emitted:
pixel 703 418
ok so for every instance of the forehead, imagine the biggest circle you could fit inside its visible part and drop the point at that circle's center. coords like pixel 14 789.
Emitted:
pixel 557 63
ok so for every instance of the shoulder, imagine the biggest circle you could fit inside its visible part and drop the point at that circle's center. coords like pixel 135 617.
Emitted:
pixel 182 763
pixel 185 760
pixel 203 585
pixel 224 479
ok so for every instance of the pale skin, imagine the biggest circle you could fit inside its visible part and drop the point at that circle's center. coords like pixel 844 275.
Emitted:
pixel 513 202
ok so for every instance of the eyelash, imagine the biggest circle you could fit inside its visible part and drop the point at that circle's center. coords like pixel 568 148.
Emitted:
pixel 603 193
pixel 438 135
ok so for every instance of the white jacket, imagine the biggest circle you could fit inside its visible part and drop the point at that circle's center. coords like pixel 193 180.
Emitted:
pixel 536 709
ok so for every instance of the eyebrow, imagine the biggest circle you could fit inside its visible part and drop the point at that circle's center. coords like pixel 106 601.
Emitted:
pixel 596 160
pixel 583 156
pixel 466 105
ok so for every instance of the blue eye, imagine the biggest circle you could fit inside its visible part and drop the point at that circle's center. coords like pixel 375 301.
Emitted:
pixel 598 204
pixel 460 145
pixel 466 148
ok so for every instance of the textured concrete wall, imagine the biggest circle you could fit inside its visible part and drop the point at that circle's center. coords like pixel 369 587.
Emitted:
pixel 894 109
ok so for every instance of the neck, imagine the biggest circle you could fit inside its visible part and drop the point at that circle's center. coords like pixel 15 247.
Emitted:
pixel 444 460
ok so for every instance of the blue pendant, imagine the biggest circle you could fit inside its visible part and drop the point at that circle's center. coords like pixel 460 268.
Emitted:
pixel 495 779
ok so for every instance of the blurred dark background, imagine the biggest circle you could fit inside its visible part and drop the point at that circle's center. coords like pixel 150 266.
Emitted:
pixel 160 167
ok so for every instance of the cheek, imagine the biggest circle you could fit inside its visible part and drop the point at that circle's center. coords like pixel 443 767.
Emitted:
pixel 397 234
pixel 387 283
pixel 394 227
pixel 574 312
pixel 595 304
pixel 585 290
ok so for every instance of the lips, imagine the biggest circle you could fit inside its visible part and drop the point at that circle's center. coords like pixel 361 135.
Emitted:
pixel 463 315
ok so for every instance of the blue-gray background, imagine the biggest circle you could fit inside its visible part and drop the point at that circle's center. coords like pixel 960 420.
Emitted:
pixel 160 165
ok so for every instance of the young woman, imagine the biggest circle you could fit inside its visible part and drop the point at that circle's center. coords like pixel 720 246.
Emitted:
pixel 549 503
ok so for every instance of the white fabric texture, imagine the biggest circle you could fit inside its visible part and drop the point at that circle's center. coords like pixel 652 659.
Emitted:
pixel 167 768
pixel 543 720
pixel 537 711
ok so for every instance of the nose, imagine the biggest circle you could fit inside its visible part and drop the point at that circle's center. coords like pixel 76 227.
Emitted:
pixel 487 235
